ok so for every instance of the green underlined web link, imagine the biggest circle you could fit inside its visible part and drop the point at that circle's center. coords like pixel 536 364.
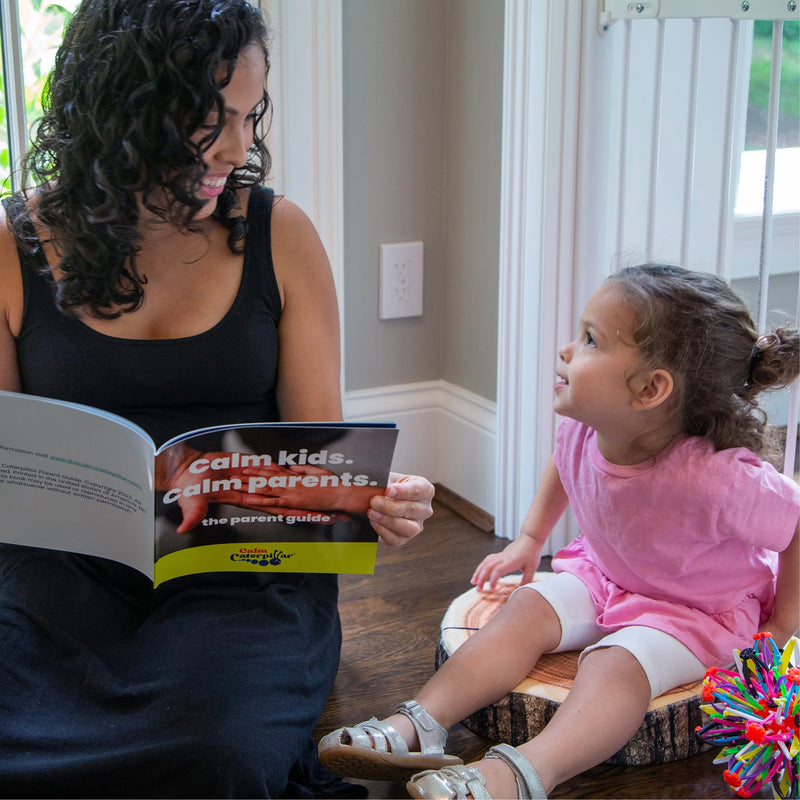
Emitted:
pixel 96 469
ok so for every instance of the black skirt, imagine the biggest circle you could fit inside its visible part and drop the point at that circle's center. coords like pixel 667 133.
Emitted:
pixel 209 686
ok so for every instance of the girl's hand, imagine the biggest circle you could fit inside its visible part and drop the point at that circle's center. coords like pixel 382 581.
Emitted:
pixel 399 513
pixel 522 554
pixel 548 504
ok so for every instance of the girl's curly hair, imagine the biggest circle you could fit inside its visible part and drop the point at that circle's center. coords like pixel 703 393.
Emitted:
pixel 132 81
pixel 695 326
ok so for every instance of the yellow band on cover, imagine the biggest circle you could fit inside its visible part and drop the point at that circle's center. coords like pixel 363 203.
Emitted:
pixel 343 557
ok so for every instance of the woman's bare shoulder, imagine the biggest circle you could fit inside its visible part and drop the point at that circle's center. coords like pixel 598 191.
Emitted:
pixel 297 250
pixel 290 222
pixel 11 303
pixel 9 256
pixel 10 276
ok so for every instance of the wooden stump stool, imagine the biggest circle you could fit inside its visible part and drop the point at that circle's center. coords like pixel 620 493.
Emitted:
pixel 666 734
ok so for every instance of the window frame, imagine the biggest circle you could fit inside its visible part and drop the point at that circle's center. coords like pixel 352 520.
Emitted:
pixel 14 87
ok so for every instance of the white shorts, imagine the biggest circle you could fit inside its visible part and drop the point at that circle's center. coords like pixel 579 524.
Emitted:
pixel 666 661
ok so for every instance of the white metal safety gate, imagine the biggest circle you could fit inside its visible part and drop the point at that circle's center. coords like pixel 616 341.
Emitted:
pixel 623 131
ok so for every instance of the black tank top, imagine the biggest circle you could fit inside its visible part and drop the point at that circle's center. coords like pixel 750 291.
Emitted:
pixel 167 386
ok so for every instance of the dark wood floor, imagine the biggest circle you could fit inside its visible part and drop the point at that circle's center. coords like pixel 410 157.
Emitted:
pixel 391 629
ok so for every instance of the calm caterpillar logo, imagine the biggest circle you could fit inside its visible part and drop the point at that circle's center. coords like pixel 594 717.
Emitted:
pixel 260 557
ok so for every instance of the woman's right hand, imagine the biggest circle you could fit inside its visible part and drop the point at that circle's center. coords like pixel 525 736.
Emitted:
pixel 522 555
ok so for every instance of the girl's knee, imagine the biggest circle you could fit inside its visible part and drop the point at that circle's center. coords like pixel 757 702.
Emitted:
pixel 530 610
pixel 665 661
pixel 616 667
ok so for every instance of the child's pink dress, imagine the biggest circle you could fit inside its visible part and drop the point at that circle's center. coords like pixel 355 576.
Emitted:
pixel 686 543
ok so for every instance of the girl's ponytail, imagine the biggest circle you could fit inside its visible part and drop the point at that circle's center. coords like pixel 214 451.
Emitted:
pixel 774 362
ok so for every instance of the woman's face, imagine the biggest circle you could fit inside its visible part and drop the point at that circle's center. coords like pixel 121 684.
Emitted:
pixel 242 98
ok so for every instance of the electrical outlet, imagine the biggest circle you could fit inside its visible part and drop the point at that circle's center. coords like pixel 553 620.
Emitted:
pixel 401 280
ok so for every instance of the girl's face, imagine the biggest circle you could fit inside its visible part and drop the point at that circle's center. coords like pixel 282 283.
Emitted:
pixel 593 369
pixel 242 97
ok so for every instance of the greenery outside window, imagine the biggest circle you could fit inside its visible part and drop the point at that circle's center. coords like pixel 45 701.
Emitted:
pixel 5 166
pixel 38 26
pixel 750 196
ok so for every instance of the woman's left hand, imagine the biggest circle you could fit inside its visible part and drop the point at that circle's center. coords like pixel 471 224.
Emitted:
pixel 399 514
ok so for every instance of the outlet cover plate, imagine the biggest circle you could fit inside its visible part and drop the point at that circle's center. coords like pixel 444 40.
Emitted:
pixel 401 280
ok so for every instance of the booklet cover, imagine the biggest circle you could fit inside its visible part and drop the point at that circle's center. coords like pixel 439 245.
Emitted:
pixel 255 498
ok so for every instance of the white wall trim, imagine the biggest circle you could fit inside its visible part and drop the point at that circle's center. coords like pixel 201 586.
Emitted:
pixel 14 90
pixel 307 136
pixel 537 233
pixel 446 433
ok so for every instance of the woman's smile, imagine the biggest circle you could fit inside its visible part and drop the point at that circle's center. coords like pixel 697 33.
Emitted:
pixel 212 185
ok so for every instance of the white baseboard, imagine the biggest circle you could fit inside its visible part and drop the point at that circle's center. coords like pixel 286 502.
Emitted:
pixel 446 433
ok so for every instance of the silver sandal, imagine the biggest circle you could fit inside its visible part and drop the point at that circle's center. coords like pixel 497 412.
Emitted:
pixel 459 783
pixel 374 750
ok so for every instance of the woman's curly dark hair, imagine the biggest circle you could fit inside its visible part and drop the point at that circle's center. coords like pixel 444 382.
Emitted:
pixel 133 80
pixel 695 326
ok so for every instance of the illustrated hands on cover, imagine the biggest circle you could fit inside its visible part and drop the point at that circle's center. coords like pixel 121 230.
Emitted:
pixel 174 477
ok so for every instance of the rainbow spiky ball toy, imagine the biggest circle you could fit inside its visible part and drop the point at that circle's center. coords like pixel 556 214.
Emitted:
pixel 755 717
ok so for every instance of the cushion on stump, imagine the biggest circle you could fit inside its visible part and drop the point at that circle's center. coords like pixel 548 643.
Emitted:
pixel 666 734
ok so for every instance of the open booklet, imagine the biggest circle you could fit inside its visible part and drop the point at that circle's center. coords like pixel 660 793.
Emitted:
pixel 257 497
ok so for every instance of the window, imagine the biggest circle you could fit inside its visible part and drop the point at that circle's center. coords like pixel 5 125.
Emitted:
pixel 773 297
pixel 650 174
pixel 786 188
pixel 789 98
pixel 5 156
pixel 31 33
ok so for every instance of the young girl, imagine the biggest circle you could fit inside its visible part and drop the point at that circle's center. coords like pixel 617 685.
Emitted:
pixel 660 459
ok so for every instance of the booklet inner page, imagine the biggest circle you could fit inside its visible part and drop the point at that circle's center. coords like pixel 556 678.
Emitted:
pixel 75 480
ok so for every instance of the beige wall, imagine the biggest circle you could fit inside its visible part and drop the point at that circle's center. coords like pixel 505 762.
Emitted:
pixel 422 110
pixel 472 193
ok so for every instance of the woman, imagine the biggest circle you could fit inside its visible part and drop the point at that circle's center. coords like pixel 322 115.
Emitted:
pixel 149 274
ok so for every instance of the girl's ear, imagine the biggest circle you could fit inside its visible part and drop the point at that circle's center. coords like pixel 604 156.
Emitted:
pixel 654 388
